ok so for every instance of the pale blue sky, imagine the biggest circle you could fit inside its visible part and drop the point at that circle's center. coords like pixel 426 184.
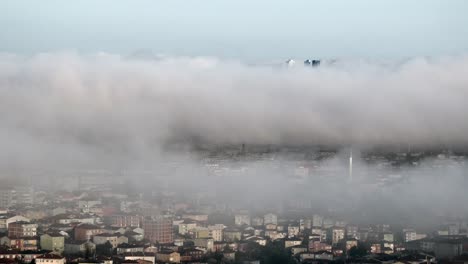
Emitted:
pixel 243 29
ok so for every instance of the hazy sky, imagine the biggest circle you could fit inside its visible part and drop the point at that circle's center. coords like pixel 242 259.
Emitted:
pixel 238 29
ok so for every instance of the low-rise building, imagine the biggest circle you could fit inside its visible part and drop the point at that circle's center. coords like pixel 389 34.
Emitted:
pixel 186 226
pixel 270 219
pixel 216 232
pixel 9 253
pixel 53 242
pixel 21 243
pixel 291 242
pixel 336 234
pixel 134 236
pixel 317 246
pixel 113 239
pixel 192 254
pixel 79 247
pixel 5 220
pixel 29 255
pixel 321 255
pixel 140 256
pixel 196 217
pixel 206 243
pixel 50 259
pixel 87 231
pixel 257 221
pixel 168 256
pixel 293 231
pixel 232 235
pixel 259 240
pixel 241 219
pixel 128 248
pixel 298 249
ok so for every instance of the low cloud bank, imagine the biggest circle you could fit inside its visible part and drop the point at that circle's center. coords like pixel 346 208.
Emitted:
pixel 74 109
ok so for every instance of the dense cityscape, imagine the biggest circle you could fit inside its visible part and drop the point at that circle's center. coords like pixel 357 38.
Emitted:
pixel 233 132
pixel 109 217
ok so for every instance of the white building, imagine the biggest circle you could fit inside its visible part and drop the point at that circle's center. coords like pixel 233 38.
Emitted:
pixel 207 243
pixel 317 220
pixel 184 228
pixel 270 219
pixel 6 198
pixel 242 219
pixel 293 231
pixel 257 221
pixel 409 235
pixel 24 195
pixel 257 239
pixel 337 234
pixel 216 232
pixel 113 239
pixel 140 255
pixel 4 222
pixel 86 205
pixel 292 242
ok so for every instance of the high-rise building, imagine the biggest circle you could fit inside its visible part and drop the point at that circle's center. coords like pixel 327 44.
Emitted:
pixel 317 220
pixel 241 219
pixel 290 63
pixel 158 230
pixel 24 195
pixel 312 63
pixel 351 164
pixel 6 198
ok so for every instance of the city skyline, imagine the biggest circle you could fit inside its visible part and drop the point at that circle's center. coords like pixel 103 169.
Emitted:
pixel 233 132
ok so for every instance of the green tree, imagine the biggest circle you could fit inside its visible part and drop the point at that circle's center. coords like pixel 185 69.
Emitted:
pixel 358 251
pixel 104 249
pixel 275 253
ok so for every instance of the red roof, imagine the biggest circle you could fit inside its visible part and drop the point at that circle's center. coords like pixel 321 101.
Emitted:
pixel 50 256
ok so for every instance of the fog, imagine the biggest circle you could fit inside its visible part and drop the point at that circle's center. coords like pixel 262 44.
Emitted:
pixel 68 111
pixel 107 101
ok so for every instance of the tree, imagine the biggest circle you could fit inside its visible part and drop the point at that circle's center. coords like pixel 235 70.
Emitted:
pixel 274 252
pixel 104 249
pixel 358 251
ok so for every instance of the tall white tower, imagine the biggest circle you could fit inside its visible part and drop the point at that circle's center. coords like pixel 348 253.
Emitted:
pixel 351 164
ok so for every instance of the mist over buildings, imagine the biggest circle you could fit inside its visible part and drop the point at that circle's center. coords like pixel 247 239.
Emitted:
pixel 105 102
pixel 69 111
pixel 241 132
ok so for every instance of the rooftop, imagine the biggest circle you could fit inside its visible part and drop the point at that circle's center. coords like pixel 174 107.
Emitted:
pixel 50 256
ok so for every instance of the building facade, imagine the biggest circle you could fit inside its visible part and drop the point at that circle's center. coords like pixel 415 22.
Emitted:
pixel 22 229
pixel 158 230
pixel 55 243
